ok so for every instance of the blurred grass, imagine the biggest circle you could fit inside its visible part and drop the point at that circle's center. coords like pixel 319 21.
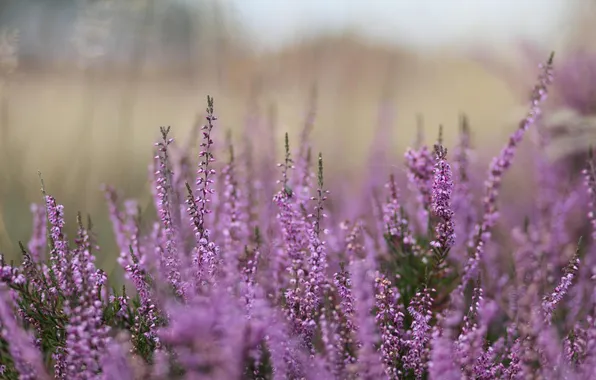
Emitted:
pixel 70 128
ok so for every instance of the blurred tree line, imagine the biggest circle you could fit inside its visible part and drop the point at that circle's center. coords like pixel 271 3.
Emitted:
pixel 167 36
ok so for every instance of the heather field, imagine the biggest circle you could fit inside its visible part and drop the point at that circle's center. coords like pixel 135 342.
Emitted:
pixel 254 270
pixel 332 210
pixel 82 133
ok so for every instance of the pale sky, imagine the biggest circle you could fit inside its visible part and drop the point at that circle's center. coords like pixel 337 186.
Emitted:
pixel 419 23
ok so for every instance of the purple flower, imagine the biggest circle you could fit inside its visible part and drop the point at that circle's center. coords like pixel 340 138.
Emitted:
pixel 390 318
pixel 396 222
pixel 231 281
pixel 420 332
pixel 166 208
pixel 441 202
pixel 551 301
pixel 27 359
pixel 498 167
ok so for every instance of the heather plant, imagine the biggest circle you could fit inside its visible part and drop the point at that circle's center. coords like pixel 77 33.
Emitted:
pixel 235 279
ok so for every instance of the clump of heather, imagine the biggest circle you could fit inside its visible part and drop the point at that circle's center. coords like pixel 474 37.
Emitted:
pixel 235 279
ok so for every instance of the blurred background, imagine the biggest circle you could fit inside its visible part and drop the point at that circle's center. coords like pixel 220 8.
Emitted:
pixel 85 85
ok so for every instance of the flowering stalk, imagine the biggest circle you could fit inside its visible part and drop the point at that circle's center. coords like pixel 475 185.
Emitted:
pixel 206 252
pixel 204 182
pixel 26 357
pixel 390 319
pixel 420 332
pixel 293 237
pixel 397 223
pixel 549 303
pixel 441 207
pixel 86 335
pixel 172 260
pixel 317 263
pixel 498 167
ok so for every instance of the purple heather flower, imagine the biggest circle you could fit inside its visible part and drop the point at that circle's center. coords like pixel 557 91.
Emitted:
pixel 59 255
pixel 10 274
pixel 343 286
pixel 442 190
pixel 390 318
pixel 249 272
pixel 575 345
pixel 290 255
pixel 165 209
pixel 498 167
pixel 205 173
pixel 476 360
pixel 420 332
pixel 79 283
pixel 515 369
pixel 26 358
pixel 396 223
pixel 551 301
pixel 292 223
pixel 344 311
pixel 147 309
pixel 317 282
pixel 392 211
pixel 586 348
pixel 205 255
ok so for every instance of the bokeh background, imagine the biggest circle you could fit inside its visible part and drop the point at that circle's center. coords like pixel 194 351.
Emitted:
pixel 86 84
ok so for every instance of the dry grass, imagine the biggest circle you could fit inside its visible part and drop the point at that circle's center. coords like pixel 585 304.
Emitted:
pixel 73 130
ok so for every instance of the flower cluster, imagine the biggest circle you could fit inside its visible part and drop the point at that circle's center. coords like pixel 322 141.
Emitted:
pixel 238 280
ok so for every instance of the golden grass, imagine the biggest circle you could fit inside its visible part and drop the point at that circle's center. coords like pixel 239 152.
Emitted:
pixel 72 130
